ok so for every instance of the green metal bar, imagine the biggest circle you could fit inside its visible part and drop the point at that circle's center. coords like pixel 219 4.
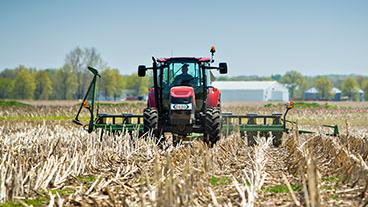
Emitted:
pixel 91 121
pixel 262 128
pixel 335 130
pixel 93 85
pixel 305 132
pixel 229 128
pixel 115 127
pixel 76 119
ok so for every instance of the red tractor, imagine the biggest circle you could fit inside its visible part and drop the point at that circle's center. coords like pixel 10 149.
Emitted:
pixel 182 100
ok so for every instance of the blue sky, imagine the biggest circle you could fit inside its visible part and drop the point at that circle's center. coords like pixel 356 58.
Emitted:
pixel 254 37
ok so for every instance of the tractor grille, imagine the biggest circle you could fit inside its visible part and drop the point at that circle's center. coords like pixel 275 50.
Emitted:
pixel 181 100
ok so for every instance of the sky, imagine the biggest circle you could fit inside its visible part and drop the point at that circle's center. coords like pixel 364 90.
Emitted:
pixel 254 37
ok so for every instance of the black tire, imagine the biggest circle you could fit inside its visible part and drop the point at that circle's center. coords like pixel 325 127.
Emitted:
pixel 252 134
pixel 250 138
pixel 176 140
pixel 242 135
pixel 264 134
pixel 212 129
pixel 277 140
pixel 150 121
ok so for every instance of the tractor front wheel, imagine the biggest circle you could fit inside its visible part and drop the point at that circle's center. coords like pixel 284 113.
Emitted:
pixel 212 126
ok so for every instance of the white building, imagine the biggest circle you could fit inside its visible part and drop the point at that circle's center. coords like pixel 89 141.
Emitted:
pixel 252 91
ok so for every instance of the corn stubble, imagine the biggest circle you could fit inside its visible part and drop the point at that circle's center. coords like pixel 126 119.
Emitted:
pixel 66 166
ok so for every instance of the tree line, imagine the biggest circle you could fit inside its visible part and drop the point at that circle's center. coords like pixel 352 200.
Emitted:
pixel 70 81
pixel 297 83
pixel 349 85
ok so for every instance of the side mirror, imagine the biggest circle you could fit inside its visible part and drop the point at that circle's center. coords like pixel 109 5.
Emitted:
pixel 223 68
pixel 142 70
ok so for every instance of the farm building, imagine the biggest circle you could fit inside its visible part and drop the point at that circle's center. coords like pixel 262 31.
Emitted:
pixel 252 91
pixel 313 94
pixel 361 94
pixel 337 94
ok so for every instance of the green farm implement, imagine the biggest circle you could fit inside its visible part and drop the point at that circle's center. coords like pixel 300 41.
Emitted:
pixel 112 123
pixel 275 125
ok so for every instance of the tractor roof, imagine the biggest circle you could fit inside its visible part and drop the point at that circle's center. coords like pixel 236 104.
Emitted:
pixel 184 59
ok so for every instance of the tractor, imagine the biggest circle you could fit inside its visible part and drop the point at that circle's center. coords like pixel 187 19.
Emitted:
pixel 182 100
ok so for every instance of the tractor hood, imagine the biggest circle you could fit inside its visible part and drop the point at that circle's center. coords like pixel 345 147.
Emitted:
pixel 182 92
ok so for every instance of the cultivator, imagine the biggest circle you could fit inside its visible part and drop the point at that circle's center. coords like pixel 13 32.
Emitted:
pixel 111 123
pixel 253 125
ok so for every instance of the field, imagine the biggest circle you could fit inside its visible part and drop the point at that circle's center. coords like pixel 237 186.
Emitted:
pixel 45 160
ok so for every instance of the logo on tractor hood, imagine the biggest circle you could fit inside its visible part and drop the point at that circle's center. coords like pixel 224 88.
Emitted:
pixel 181 106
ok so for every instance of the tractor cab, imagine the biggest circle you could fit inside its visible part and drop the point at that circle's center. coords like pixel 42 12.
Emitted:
pixel 183 75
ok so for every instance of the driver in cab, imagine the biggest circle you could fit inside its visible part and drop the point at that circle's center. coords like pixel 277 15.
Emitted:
pixel 184 78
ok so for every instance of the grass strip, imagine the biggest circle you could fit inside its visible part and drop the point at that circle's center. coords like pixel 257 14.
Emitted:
pixel 218 181
pixel 6 103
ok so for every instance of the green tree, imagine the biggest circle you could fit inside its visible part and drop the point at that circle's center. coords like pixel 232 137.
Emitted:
pixel 65 83
pixel 276 77
pixel 111 83
pixel 143 86
pixel 138 85
pixel 24 84
pixel 360 79
pixel 43 85
pixel 121 85
pixel 365 89
pixel 8 73
pixel 293 80
pixel 324 86
pixel 349 88
pixel 6 87
pixel 79 59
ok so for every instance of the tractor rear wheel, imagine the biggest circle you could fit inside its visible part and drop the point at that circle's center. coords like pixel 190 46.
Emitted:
pixel 212 126
pixel 150 121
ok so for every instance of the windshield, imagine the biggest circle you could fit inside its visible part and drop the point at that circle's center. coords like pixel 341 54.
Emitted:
pixel 182 74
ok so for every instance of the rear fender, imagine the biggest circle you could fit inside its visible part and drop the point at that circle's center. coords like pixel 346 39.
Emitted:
pixel 151 98
pixel 213 97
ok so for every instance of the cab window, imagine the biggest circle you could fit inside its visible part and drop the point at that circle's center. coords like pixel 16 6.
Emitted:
pixel 183 74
